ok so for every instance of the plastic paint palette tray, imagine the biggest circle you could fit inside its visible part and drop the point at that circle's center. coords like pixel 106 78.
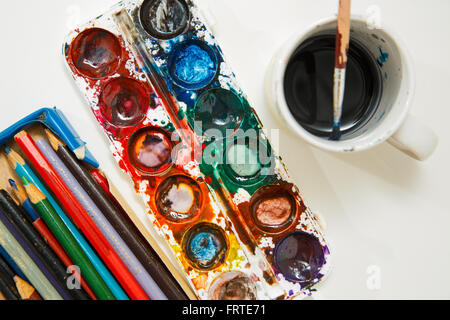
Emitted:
pixel 182 128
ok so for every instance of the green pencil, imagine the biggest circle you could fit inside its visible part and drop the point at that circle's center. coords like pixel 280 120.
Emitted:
pixel 67 241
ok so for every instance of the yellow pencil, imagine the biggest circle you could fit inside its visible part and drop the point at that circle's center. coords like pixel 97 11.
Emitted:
pixel 26 291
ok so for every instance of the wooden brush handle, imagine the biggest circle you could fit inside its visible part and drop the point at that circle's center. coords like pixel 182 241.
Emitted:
pixel 343 33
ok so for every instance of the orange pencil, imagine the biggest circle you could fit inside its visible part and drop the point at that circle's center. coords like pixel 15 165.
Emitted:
pixel 26 291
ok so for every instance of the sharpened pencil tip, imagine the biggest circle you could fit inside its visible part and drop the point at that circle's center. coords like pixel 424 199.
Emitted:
pixel 13 184
pixel 26 181
pixel 21 133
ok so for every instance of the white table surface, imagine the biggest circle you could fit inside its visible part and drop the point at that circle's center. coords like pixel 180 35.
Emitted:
pixel 388 215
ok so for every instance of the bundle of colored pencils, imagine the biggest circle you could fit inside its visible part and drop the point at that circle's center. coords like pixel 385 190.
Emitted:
pixel 63 235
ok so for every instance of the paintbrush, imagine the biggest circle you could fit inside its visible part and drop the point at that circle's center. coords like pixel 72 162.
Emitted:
pixel 146 62
pixel 342 46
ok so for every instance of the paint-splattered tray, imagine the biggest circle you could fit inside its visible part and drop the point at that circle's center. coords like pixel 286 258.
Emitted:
pixel 184 131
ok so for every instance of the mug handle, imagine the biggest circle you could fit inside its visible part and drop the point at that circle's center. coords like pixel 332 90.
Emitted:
pixel 415 139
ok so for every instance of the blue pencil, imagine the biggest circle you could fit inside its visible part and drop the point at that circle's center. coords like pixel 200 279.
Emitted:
pixel 25 202
pixel 23 170
pixel 12 264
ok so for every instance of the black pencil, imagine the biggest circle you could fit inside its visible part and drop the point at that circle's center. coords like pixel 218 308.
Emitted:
pixel 6 269
pixel 6 289
pixel 126 229
pixel 17 217
pixel 9 275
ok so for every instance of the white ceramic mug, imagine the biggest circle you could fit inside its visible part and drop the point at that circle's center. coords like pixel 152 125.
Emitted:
pixel 391 122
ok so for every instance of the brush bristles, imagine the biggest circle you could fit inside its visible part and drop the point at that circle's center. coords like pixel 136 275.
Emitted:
pixel 336 135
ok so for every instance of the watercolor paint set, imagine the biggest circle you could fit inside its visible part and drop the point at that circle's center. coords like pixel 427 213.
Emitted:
pixel 59 219
pixel 182 128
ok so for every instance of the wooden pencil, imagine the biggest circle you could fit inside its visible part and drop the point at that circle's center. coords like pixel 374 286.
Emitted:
pixel 80 216
pixel 133 264
pixel 21 195
pixel 7 258
pixel 11 242
pixel 115 194
pixel 35 255
pixel 43 230
pixel 2 297
pixel 8 276
pixel 6 269
pixel 99 278
pixel 121 222
pixel 9 292
pixel 68 242
pixel 99 190
pixel 17 217
pixel 26 291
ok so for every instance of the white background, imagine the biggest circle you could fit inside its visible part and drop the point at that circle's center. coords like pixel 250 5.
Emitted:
pixel 386 213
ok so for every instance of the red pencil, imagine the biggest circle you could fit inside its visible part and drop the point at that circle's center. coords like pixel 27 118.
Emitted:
pixel 54 244
pixel 80 216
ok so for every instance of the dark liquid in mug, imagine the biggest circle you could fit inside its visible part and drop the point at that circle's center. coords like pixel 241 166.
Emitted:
pixel 308 86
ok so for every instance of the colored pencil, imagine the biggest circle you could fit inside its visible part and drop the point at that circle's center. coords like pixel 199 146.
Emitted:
pixel 21 195
pixel 68 242
pixel 147 239
pixel 17 217
pixel 6 269
pixel 56 120
pixel 26 260
pixel 43 230
pixel 8 276
pixel 98 187
pixel 80 216
pixel 107 287
pixel 101 184
pixel 35 255
pixel 122 224
pixel 8 291
pixel 141 275
pixel 2 297
pixel 7 258
pixel 26 291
